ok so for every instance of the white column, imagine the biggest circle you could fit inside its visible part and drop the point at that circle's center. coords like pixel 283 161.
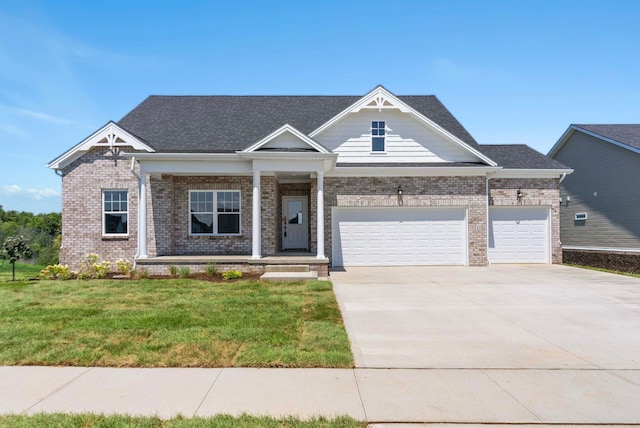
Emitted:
pixel 142 216
pixel 320 215
pixel 255 223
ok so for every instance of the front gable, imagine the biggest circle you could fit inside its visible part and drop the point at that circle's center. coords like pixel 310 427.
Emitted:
pixel 287 139
pixel 409 136
pixel 111 136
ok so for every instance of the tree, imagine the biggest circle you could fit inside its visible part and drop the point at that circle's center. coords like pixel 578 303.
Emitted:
pixel 16 247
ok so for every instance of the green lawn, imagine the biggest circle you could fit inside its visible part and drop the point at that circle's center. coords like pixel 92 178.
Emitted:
pixel 24 271
pixel 223 421
pixel 171 323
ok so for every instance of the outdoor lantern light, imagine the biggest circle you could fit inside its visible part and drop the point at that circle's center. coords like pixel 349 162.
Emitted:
pixel 519 194
pixel 400 190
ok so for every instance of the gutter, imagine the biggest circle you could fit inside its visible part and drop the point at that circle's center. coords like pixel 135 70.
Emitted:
pixel 490 175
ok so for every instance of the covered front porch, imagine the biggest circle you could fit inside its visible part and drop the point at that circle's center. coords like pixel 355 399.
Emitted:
pixel 272 209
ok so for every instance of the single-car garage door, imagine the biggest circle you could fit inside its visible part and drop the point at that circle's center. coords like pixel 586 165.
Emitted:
pixel 399 236
pixel 519 235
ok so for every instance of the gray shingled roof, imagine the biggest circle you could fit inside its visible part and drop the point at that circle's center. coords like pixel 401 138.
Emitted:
pixel 230 123
pixel 628 134
pixel 519 156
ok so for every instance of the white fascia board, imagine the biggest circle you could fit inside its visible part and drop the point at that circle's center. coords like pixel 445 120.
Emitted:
pixel 279 165
pixel 404 108
pixel 284 129
pixel 412 171
pixel 292 156
pixel 574 128
pixel 531 173
pixel 111 131
pixel 184 156
pixel 563 139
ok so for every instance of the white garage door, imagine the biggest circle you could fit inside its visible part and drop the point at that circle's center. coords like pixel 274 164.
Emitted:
pixel 519 235
pixel 399 236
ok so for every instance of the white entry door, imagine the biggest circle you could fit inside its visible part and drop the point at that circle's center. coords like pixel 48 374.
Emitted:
pixel 399 236
pixel 295 223
pixel 519 235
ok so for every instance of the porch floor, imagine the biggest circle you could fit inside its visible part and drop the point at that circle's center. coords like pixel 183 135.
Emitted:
pixel 287 258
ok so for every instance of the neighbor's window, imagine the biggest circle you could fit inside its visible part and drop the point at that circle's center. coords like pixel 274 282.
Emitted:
pixel 214 212
pixel 377 136
pixel 114 212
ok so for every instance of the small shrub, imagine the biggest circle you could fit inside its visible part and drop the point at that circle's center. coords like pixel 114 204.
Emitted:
pixel 232 274
pixel 185 272
pixel 60 272
pixel 84 275
pixel 211 269
pixel 173 270
pixel 101 269
pixel 124 266
pixel 140 273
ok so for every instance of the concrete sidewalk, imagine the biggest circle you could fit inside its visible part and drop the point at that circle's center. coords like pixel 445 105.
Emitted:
pixel 376 395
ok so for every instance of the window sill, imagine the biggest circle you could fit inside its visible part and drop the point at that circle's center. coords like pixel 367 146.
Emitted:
pixel 214 236
pixel 115 237
pixel 377 153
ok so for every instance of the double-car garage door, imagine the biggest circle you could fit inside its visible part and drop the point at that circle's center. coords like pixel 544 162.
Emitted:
pixel 435 236
pixel 399 236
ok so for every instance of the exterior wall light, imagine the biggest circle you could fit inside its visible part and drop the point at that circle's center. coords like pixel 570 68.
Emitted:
pixel 519 196
pixel 400 201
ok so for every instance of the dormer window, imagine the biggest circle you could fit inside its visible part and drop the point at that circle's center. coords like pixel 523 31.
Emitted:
pixel 377 136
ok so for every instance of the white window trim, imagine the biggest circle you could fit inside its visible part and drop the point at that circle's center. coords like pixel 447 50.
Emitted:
pixel 384 137
pixel 104 223
pixel 215 212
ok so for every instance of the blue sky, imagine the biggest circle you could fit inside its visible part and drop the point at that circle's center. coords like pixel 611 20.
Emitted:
pixel 512 72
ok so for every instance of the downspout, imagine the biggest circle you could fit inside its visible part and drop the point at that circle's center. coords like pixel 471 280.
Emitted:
pixel 562 177
pixel 135 174
pixel 59 174
pixel 490 175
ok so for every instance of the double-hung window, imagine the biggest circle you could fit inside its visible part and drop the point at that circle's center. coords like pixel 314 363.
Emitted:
pixel 214 212
pixel 114 212
pixel 377 136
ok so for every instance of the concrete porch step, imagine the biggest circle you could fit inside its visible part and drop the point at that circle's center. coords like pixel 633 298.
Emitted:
pixel 286 268
pixel 288 276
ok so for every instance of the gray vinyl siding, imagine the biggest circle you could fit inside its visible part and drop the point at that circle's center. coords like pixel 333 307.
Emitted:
pixel 613 216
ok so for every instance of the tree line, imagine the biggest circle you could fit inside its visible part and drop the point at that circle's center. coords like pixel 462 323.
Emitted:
pixel 41 231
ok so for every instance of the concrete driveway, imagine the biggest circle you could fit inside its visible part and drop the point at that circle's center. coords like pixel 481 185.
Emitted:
pixel 498 317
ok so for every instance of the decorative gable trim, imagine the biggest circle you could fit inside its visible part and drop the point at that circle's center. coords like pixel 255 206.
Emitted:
pixel 290 130
pixel 570 131
pixel 380 98
pixel 111 135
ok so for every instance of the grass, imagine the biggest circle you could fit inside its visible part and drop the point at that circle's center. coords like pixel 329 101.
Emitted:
pixel 619 272
pixel 221 421
pixel 24 271
pixel 172 323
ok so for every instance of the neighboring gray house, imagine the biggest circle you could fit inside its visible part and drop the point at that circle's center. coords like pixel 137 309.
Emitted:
pixel 326 181
pixel 600 201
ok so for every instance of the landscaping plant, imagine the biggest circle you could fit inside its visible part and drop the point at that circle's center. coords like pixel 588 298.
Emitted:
pixel 14 248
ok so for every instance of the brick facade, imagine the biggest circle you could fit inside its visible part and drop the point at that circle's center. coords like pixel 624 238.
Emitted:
pixel 82 183
pixel 168 210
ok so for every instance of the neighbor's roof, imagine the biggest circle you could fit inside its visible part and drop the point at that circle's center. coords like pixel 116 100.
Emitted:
pixel 231 123
pixel 628 134
pixel 519 156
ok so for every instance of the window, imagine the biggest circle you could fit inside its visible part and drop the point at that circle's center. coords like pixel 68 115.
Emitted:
pixel 114 213
pixel 214 212
pixel 377 136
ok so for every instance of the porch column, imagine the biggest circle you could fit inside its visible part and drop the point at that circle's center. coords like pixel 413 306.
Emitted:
pixel 142 216
pixel 256 228
pixel 320 215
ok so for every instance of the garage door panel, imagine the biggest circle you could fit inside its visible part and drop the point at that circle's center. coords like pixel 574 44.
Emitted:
pixel 519 235
pixel 404 236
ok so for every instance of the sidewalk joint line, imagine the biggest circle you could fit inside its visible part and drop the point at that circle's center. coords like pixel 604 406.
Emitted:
pixel 207 394
pixel 364 410
pixel 514 398
pixel 88 369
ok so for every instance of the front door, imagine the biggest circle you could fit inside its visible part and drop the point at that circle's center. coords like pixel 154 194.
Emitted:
pixel 295 227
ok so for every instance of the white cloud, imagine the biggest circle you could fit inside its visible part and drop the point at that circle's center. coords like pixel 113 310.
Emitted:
pixel 37 194
pixel 38 115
